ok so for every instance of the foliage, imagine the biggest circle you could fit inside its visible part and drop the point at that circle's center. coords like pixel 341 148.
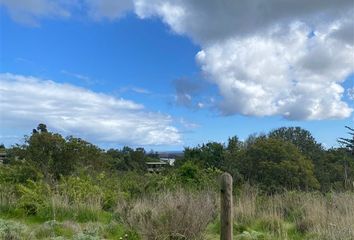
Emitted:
pixel 207 156
pixel 275 165
pixel 128 159
pixel 47 152
pixel 11 230
pixel 348 142
pixel 33 197
pixel 19 172
pixel 301 138
pixel 80 190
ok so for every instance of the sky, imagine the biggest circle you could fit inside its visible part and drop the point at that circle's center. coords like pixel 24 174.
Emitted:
pixel 174 73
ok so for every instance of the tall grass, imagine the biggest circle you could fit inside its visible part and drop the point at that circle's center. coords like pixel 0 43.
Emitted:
pixel 177 214
pixel 330 217
pixel 8 197
pixel 171 215
pixel 310 215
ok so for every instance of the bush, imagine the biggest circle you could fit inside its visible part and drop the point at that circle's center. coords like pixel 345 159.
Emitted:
pixel 19 172
pixel 96 191
pixel 81 190
pixel 34 197
pixel 10 230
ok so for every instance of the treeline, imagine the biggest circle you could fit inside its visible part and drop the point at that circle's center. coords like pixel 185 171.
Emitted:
pixel 53 156
pixel 287 158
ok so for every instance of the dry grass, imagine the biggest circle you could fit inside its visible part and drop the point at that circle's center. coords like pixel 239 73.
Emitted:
pixel 177 215
pixel 315 215
pixel 331 217
pixel 7 195
pixel 185 215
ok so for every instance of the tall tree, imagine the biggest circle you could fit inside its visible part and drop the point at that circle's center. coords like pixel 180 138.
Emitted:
pixel 348 142
pixel 233 154
pixel 339 169
pixel 46 151
pixel 300 137
pixel 307 145
pixel 275 164
pixel 208 155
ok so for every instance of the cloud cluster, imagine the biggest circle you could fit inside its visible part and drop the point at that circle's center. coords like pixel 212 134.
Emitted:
pixel 81 112
pixel 211 21
pixel 281 73
pixel 277 57
pixel 274 57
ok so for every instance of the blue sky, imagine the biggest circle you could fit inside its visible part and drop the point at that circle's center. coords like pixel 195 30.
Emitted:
pixel 187 85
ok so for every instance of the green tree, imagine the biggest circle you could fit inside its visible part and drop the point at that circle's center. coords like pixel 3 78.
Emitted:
pixel 339 169
pixel 87 155
pixel 234 145
pixel 233 154
pixel 308 146
pixel 348 142
pixel 275 165
pixel 50 153
pixel 137 159
pixel 128 159
pixel 301 138
pixel 54 155
pixel 210 155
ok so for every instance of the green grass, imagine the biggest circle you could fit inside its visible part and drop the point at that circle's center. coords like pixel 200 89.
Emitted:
pixel 34 227
pixel 258 230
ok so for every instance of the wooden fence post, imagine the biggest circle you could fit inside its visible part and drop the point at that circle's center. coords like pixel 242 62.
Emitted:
pixel 226 217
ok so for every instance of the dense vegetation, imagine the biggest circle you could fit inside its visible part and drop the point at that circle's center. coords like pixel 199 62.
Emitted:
pixel 67 188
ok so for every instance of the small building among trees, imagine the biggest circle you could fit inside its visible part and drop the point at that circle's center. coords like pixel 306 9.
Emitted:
pixel 156 167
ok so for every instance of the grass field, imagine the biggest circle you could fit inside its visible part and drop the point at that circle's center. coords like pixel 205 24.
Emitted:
pixel 185 215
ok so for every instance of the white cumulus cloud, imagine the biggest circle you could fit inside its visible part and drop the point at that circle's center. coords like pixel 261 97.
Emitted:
pixel 277 57
pixel 279 73
pixel 26 101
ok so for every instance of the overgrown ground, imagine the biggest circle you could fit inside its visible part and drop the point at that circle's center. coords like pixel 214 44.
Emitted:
pixel 178 214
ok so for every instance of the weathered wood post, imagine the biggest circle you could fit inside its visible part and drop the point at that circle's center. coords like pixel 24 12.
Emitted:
pixel 226 207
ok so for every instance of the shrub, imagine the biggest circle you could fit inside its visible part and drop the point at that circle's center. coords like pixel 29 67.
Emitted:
pixel 95 191
pixel 10 230
pixel 33 197
pixel 81 190
pixel 191 176
pixel 19 172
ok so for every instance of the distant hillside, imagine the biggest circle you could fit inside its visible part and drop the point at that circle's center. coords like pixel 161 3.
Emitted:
pixel 170 154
